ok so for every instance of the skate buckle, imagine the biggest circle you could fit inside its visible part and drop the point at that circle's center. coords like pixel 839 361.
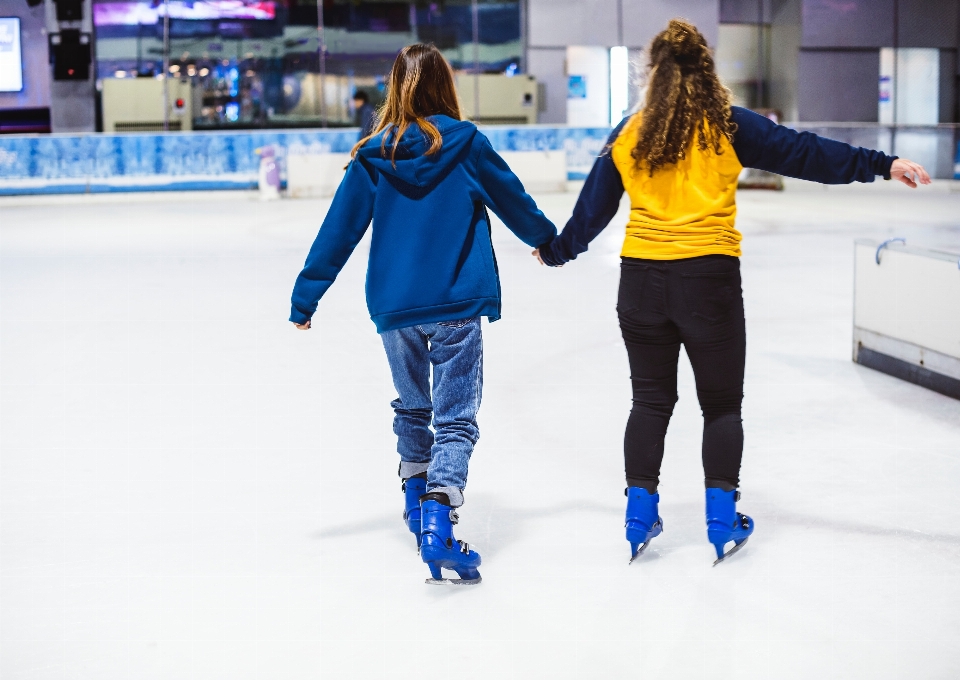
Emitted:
pixel 454 517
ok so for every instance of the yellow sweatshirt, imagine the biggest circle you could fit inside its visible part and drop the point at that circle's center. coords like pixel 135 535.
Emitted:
pixel 684 210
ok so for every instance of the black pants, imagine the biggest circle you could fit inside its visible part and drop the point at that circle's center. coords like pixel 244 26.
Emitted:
pixel 697 302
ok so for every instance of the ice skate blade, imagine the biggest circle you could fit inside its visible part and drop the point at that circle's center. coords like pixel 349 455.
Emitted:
pixel 639 552
pixel 453 581
pixel 731 551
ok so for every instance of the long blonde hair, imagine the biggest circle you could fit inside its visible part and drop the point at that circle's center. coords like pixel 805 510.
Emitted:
pixel 421 85
pixel 684 95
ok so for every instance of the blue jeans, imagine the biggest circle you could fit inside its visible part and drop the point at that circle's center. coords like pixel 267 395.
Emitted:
pixel 455 350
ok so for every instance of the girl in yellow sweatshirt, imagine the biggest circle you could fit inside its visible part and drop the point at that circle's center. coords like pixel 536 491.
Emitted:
pixel 679 159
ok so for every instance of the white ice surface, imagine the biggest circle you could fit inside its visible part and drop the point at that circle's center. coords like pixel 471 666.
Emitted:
pixel 191 488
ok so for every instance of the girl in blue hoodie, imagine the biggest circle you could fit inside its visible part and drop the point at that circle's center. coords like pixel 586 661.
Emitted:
pixel 426 178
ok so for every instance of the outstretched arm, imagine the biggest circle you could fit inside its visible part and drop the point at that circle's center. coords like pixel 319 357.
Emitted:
pixel 341 231
pixel 762 144
pixel 598 202
pixel 507 198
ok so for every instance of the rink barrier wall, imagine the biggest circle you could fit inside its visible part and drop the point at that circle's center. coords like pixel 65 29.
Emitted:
pixel 912 373
pixel 906 315
pixel 105 163
pixel 198 161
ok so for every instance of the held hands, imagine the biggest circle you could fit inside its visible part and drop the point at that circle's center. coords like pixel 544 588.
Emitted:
pixel 909 173
pixel 536 254
pixel 303 326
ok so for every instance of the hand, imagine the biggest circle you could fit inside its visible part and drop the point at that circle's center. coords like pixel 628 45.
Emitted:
pixel 536 254
pixel 909 173
pixel 303 326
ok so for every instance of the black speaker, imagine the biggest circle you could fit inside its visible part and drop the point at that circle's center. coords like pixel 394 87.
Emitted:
pixel 69 10
pixel 70 54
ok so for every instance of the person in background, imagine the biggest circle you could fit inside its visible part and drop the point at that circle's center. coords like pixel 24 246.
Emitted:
pixel 426 178
pixel 679 159
pixel 364 115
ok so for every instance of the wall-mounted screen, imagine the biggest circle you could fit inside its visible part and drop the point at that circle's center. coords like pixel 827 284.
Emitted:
pixel 11 67
pixel 134 13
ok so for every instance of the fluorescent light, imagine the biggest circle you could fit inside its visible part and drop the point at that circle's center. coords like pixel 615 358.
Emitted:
pixel 619 84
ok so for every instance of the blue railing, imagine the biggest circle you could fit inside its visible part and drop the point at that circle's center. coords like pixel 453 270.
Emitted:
pixel 102 163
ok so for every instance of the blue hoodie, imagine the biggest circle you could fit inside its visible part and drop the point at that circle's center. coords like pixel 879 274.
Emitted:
pixel 431 257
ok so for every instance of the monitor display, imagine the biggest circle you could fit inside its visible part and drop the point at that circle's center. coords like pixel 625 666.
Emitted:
pixel 11 66
pixel 142 13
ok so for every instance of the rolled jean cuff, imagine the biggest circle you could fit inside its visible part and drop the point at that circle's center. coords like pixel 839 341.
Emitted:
pixel 453 493
pixel 408 470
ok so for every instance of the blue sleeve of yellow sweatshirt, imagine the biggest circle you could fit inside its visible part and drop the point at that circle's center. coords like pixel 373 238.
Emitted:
pixel 762 144
pixel 506 197
pixel 341 231
pixel 759 143
pixel 598 202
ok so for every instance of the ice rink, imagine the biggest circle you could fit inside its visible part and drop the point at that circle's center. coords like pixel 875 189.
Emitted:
pixel 192 489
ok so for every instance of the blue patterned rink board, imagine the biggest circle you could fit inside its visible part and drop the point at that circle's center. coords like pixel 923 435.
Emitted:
pixel 104 163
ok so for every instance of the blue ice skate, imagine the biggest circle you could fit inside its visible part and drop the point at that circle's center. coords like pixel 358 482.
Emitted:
pixel 440 550
pixel 413 488
pixel 643 521
pixel 725 524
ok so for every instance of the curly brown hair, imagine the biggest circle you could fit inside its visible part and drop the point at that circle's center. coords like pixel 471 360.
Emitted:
pixel 684 95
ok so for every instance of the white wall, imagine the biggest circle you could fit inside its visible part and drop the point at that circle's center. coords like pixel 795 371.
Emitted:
pixel 784 73
pixel 736 56
pixel 593 64
pixel 914 86
pixel 549 67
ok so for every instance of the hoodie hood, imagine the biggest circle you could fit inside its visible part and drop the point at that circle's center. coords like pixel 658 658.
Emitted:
pixel 413 166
